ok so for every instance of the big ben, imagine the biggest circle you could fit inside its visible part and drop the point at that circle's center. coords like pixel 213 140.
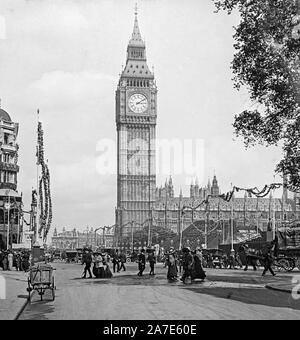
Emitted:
pixel 136 112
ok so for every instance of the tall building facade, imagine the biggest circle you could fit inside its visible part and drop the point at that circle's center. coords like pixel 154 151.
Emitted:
pixel 248 212
pixel 10 200
pixel 136 112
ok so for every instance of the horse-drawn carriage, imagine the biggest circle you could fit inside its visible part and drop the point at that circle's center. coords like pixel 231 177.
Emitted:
pixel 72 256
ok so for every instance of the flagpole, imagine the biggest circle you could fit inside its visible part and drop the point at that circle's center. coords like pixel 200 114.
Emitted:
pixel 232 249
pixel 37 185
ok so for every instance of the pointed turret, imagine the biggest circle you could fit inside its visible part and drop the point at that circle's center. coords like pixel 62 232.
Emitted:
pixel 136 38
pixel 192 189
pixel 136 63
pixel 208 187
pixel 171 188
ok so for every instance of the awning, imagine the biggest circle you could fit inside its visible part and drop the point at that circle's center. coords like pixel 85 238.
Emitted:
pixel 9 193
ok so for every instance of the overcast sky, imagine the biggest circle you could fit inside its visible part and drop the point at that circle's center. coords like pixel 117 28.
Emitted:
pixel 64 57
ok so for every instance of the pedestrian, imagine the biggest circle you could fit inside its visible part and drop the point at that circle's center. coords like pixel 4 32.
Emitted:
pixel 5 261
pixel 25 261
pixel 10 258
pixel 197 270
pixel 122 259
pixel 268 260
pixel 238 260
pixel 172 265
pixel 87 260
pixel 116 261
pixel 18 262
pixel 232 262
pixel 180 259
pixel 152 261
pixel 187 264
pixel 107 272
pixel 98 268
pixel 141 262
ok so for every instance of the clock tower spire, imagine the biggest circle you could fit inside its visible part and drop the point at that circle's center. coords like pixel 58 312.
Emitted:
pixel 136 122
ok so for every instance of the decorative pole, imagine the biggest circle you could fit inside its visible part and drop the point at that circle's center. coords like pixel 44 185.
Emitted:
pixel 132 247
pixel 7 207
pixel 232 249
pixel 180 228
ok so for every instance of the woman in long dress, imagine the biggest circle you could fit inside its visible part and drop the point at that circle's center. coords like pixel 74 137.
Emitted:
pixel 107 272
pixel 172 266
pixel 98 269
pixel 197 271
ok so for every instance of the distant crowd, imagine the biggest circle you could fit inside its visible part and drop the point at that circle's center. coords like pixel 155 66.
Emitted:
pixel 15 260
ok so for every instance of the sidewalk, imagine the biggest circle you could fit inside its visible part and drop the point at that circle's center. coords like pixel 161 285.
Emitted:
pixel 16 294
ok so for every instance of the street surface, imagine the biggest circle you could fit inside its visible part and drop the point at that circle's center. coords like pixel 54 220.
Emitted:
pixel 226 294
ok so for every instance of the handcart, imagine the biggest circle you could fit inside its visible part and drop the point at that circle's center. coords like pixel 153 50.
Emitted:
pixel 40 279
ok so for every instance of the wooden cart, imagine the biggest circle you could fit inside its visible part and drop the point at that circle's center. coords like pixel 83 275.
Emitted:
pixel 40 279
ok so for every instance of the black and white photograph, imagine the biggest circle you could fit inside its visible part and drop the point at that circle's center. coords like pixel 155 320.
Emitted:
pixel 149 162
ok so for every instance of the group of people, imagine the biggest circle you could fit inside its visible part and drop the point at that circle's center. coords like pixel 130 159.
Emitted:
pixel 14 260
pixel 118 261
pixel 189 263
pixel 100 264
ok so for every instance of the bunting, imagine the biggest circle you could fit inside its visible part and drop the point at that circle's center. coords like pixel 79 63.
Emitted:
pixel 45 202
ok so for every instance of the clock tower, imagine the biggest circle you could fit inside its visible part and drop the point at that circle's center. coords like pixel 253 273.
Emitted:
pixel 136 106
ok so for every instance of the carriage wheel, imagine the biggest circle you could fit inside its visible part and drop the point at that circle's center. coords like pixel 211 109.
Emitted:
pixel 292 264
pixel 283 264
pixel 298 263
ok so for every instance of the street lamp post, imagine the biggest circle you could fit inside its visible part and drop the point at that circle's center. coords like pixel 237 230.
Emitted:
pixel 7 207
pixel 180 228
pixel 132 223
pixel 232 249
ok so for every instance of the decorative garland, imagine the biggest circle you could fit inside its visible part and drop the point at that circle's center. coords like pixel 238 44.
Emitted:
pixel 45 201
pixel 252 191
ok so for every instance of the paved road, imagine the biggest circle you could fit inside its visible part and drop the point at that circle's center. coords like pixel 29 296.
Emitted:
pixel 226 294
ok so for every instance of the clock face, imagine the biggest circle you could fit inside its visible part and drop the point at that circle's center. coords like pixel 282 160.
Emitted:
pixel 138 103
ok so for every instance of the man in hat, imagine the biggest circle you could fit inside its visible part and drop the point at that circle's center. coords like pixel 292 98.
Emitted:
pixel 141 262
pixel 87 260
pixel 152 261
pixel 268 260
pixel 187 264
pixel 116 261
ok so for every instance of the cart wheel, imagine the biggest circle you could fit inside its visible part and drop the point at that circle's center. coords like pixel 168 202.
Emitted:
pixel 298 263
pixel 283 264
pixel 292 264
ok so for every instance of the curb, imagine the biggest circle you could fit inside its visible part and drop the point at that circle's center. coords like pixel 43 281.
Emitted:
pixel 284 290
pixel 22 309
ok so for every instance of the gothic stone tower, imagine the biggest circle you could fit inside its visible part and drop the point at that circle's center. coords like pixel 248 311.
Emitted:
pixel 136 106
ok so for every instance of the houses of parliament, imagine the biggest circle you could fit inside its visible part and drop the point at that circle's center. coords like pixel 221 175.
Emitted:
pixel 138 198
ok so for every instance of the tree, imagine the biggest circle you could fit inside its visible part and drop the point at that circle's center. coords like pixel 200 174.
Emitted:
pixel 266 61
